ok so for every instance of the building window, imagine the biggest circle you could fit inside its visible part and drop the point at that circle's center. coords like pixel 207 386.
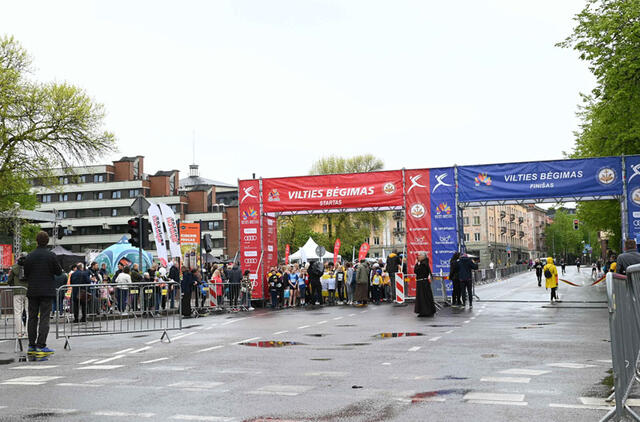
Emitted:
pixel 116 194
pixel 476 221
pixel 46 198
pixel 64 180
pixel 114 212
pixel 218 243
pixel 466 221
pixel 78 197
pixel 476 237
pixel 172 184
pixel 213 225
pixel 175 208
pixel 63 197
pixel 133 193
pixel 99 195
pixel 466 237
pixel 98 178
pixel 367 240
pixel 62 214
pixel 82 179
pixel 376 240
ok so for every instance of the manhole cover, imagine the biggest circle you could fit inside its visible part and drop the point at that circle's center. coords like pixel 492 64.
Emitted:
pixel 270 344
pixel 393 335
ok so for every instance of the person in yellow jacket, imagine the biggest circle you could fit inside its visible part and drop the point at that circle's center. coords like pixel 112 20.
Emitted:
pixel 551 275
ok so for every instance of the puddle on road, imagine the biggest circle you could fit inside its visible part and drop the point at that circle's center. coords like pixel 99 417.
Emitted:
pixel 271 344
pixel 316 335
pixel 346 325
pixel 451 377
pixel 393 335
pixel 191 326
pixel 321 359
pixel 443 325
pixel 354 344
pixel 6 361
pixel 528 327
pixel 489 355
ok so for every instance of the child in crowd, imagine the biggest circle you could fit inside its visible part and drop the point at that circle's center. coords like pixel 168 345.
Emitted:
pixel 376 283
pixel 331 287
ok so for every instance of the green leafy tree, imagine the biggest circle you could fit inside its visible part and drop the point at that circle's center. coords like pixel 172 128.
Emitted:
pixel 42 126
pixel 607 37
pixel 563 240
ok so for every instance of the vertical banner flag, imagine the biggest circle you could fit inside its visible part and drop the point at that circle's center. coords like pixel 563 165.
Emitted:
pixel 155 218
pixel 336 250
pixel 286 254
pixel 270 236
pixel 418 215
pixel 444 235
pixel 364 250
pixel 633 195
pixel 6 256
pixel 190 244
pixel 250 234
pixel 172 230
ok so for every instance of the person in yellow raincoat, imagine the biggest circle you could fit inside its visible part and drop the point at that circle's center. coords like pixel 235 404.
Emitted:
pixel 551 275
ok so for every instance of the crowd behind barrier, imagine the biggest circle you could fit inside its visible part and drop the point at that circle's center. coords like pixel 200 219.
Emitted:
pixel 115 308
pixel 623 295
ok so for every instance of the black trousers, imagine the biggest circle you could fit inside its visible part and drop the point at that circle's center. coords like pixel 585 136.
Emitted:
pixel 234 292
pixel 341 294
pixel 553 293
pixel 39 309
pixel 468 286
pixel 186 304
pixel 456 296
pixel 77 303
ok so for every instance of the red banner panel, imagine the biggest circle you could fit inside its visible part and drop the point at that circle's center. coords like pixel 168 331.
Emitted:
pixel 357 190
pixel 418 216
pixel 6 256
pixel 250 234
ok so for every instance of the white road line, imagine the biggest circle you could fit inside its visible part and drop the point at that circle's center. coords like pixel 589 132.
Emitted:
pixel 280 332
pixel 472 318
pixel 414 349
pixel 571 365
pixel 352 315
pixel 101 367
pixel 303 327
pixel 321 322
pixel 123 351
pixel 109 359
pixel 386 363
pixel 362 312
pixel 87 361
pixel 203 418
pixel 493 396
pixel 3 407
pixel 182 336
pixel 153 341
pixel 234 320
pixel 578 406
pixel 435 338
pixel 37 367
pixel 337 318
pixel 506 403
pixel 155 360
pixel 517 380
pixel 210 328
pixel 142 349
pixel 77 384
pixel 467 321
pixel 123 414
pixel 449 332
pixel 210 348
pixel 530 372
pixel 30 380
pixel 247 340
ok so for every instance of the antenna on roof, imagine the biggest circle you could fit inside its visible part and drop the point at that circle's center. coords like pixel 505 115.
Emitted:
pixel 194 146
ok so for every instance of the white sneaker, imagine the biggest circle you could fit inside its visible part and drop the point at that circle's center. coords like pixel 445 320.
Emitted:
pixel 251 308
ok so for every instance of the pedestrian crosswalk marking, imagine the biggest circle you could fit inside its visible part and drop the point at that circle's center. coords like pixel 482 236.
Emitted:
pixel 210 348
pixel 87 361
pixel 498 402
pixel 109 359
pixel 414 349
pixel 31 380
pixel 532 372
pixel 141 349
pixel 123 351
pixel 203 418
pixel 155 360
pixel 494 397
pixel 100 367
pixel 516 380
pixel 123 414
pixel 282 390
pixel 35 367
pixel 578 406
pixel 435 338
pixel 194 384
pixel 571 365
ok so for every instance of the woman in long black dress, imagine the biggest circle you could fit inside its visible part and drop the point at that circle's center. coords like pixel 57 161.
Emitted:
pixel 425 307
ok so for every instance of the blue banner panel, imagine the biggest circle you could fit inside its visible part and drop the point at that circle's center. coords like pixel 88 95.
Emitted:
pixel 444 236
pixel 633 195
pixel 538 180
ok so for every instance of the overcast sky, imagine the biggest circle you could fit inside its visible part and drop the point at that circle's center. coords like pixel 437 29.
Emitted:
pixel 269 86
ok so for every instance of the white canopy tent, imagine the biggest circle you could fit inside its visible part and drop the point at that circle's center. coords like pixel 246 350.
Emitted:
pixel 308 253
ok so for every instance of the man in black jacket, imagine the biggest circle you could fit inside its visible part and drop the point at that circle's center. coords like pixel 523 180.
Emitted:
pixel 174 275
pixel 465 275
pixel 40 268
pixel 235 277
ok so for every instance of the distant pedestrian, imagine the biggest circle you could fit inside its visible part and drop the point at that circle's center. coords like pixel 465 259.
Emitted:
pixel 376 284
pixel 630 256
pixel 563 266
pixel 187 287
pixel 577 264
pixel 235 279
pixel 551 276
pixel 456 297
pixel 340 284
pixel 246 288
pixel 538 267
pixel 465 273
pixel 123 282
pixel 424 306
pixel 40 267
pixel 315 271
pixel 351 283
pixel 331 287
pixel 79 294
pixel 394 265
pixel 302 286
pixel 362 283
pixel 274 281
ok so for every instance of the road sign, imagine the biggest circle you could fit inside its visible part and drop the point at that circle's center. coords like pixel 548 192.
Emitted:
pixel 140 205
pixel 321 251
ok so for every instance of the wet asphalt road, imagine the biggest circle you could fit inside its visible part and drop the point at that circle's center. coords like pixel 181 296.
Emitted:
pixel 514 357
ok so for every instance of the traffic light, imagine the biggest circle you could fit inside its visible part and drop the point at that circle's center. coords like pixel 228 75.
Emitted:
pixel 134 231
pixel 145 232
pixel 576 224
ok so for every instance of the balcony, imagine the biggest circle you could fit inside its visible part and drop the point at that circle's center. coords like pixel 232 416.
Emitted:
pixel 512 232
pixel 512 217
pixel 503 229
pixel 520 220
pixel 502 215
pixel 398 215
pixel 521 234
pixel 398 232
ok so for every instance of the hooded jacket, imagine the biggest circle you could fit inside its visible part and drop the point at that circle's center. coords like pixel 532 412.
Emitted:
pixel 235 275
pixel 553 281
pixel 393 261
pixel 362 274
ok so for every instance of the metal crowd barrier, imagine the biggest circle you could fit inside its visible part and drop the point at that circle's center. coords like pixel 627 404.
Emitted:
pixel 623 294
pixel 10 321
pixel 211 297
pixel 105 308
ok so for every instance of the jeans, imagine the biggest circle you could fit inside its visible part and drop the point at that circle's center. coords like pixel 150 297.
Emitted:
pixel 20 304
pixel 340 290
pixel 274 298
pixel 123 294
pixel 38 323
pixel 332 296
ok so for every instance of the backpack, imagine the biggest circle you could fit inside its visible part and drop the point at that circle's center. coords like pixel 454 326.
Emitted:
pixel 547 273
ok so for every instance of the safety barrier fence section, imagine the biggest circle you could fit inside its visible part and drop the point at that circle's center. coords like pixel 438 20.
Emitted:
pixel 12 305
pixel 100 309
pixel 489 275
pixel 215 296
pixel 623 294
